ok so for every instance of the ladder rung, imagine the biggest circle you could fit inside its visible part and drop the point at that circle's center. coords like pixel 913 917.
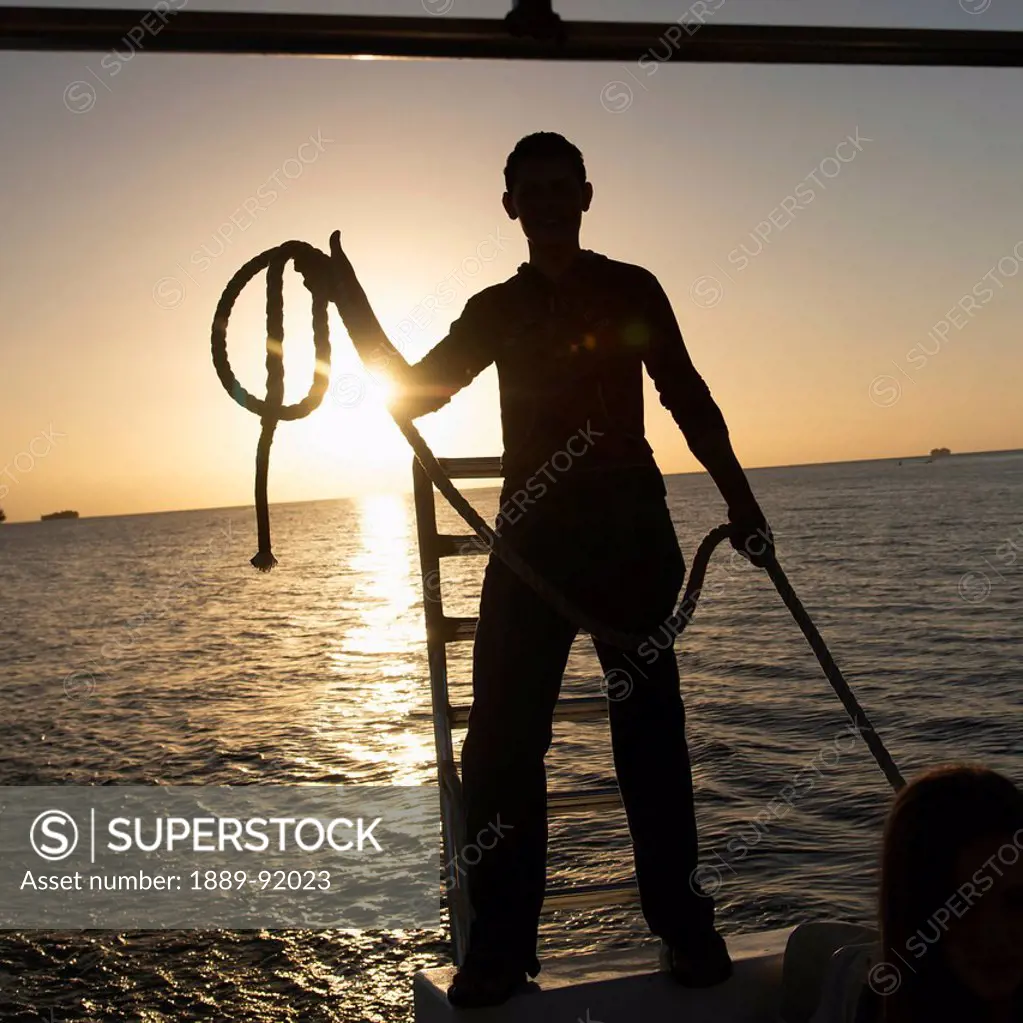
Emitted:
pixel 591 896
pixel 461 630
pixel 576 708
pixel 450 546
pixel 578 800
pixel 472 468
pixel 458 715
pixel 581 708
pixel 458 630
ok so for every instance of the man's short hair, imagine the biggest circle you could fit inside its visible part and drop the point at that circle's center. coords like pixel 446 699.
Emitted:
pixel 544 145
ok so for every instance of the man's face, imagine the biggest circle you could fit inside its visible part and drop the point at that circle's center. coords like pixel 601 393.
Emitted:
pixel 549 200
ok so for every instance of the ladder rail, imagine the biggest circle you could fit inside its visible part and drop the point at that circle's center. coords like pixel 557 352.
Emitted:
pixel 442 630
pixel 452 839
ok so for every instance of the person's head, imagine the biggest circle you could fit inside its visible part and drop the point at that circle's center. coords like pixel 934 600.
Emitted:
pixel 951 905
pixel 546 188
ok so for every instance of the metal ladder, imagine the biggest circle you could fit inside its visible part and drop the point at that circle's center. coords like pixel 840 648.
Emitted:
pixel 442 630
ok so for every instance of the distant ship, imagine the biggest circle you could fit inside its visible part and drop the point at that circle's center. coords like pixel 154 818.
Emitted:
pixel 60 515
pixel 938 453
pixel 3 515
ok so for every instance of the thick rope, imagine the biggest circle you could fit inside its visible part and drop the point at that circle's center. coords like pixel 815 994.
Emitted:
pixel 687 608
pixel 308 260
pixel 834 676
pixel 265 560
pixel 374 346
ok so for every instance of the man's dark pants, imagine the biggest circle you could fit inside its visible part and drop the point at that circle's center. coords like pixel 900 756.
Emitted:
pixel 606 540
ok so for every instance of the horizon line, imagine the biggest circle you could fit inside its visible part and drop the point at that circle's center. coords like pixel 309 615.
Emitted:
pixel 667 475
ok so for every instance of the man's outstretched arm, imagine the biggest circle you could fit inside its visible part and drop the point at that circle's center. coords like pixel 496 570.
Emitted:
pixel 450 365
pixel 686 396
pixel 430 383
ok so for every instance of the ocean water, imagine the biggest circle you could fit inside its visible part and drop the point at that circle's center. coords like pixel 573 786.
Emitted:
pixel 144 649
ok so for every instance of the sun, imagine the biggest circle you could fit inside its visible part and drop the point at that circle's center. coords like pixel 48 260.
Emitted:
pixel 354 419
pixel 386 388
pixel 351 429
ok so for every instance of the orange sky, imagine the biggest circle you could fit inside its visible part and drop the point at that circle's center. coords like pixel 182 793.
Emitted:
pixel 124 222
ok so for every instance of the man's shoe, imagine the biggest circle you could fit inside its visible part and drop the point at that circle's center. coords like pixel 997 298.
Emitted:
pixel 699 964
pixel 479 984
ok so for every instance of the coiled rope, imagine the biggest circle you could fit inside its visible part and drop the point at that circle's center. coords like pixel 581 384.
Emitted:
pixel 308 260
pixel 373 345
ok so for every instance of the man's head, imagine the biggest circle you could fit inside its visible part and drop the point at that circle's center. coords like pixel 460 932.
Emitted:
pixel 546 188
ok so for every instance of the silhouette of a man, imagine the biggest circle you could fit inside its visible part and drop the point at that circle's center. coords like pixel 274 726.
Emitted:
pixel 584 502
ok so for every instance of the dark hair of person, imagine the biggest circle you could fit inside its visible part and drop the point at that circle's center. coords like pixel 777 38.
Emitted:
pixel 543 145
pixel 933 820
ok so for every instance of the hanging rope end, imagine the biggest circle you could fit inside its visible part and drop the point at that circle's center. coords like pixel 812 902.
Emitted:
pixel 264 561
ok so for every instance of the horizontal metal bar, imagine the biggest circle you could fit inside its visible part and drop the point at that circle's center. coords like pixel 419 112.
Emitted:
pixel 450 546
pixel 575 708
pixel 591 896
pixel 484 468
pixel 583 800
pixel 189 31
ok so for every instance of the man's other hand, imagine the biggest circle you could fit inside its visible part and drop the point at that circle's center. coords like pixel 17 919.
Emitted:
pixel 751 535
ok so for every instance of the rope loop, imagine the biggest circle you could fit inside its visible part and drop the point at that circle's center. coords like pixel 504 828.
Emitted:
pixel 314 267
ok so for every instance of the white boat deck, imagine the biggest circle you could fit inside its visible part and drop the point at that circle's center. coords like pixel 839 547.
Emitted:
pixel 622 987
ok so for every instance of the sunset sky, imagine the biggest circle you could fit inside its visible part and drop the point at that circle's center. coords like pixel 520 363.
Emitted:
pixel 122 174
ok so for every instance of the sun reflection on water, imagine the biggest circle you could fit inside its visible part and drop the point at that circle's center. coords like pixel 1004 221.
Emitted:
pixel 387 590
pixel 379 662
